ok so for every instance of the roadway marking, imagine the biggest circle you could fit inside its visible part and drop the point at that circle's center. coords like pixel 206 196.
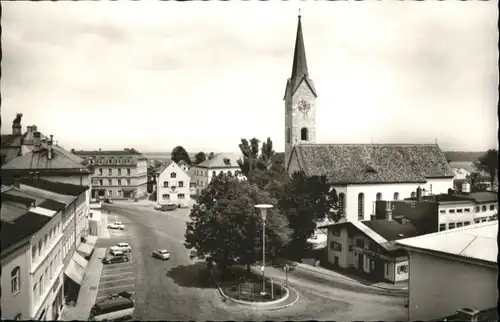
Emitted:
pixel 117 274
pixel 115 287
pixel 121 279
pixel 115 268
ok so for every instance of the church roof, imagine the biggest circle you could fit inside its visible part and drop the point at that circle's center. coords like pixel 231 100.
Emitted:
pixel 373 163
pixel 299 67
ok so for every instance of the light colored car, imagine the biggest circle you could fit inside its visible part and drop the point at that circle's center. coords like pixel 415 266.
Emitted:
pixel 116 225
pixel 157 206
pixel 183 205
pixel 124 247
pixel 161 254
pixel 116 252
pixel 118 257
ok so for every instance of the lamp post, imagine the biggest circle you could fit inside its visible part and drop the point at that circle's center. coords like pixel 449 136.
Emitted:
pixel 263 212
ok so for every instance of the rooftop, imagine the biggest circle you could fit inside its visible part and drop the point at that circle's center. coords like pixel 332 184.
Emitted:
pixel 391 230
pixel 373 163
pixel 477 197
pixel 56 187
pixel 222 160
pixel 478 241
pixel 124 152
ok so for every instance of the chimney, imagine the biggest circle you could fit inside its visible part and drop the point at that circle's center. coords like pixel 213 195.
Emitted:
pixel 34 128
pixel 49 147
pixel 29 129
pixel 388 210
pixel 419 193
pixel 37 139
pixel 16 125
pixel 467 314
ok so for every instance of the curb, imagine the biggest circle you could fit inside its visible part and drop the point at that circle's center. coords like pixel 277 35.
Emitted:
pixel 391 290
pixel 262 306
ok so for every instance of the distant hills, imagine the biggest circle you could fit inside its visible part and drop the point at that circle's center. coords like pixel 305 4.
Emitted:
pixel 462 156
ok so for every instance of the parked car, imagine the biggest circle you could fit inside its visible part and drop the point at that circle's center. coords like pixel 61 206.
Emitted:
pixel 157 206
pixel 123 247
pixel 183 205
pixel 118 257
pixel 116 225
pixel 107 200
pixel 161 254
pixel 169 207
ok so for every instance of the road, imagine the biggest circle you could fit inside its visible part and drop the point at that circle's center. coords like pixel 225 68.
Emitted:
pixel 169 290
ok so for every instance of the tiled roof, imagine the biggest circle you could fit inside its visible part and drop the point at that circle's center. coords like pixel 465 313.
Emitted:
pixel 391 230
pixel 10 140
pixel 218 161
pixel 373 163
pixel 107 158
pixel 478 241
pixel 485 196
pixel 111 152
pixel 38 160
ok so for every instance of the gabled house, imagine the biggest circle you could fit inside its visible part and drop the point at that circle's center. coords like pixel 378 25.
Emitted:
pixel 172 185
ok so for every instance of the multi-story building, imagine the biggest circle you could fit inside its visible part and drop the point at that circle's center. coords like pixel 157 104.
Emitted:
pixel 432 213
pixel 117 174
pixel 226 163
pixel 173 184
pixel 42 225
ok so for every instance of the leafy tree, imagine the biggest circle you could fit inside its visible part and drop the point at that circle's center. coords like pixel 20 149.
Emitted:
pixel 200 157
pixel 305 201
pixel 488 162
pixel 476 184
pixel 211 156
pixel 179 153
pixel 226 229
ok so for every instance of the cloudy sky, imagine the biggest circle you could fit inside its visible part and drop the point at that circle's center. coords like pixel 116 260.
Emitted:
pixel 152 75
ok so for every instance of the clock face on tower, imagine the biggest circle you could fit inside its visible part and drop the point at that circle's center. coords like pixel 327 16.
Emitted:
pixel 304 107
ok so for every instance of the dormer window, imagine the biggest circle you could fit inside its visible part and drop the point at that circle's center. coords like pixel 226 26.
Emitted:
pixel 227 161
pixel 101 161
pixel 129 160
pixel 110 161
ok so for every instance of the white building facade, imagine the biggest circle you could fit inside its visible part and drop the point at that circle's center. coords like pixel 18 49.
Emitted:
pixel 172 185
pixel 221 163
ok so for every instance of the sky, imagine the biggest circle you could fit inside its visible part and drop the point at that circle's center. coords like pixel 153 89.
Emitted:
pixel 154 75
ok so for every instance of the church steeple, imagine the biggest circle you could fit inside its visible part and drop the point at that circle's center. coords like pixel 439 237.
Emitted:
pixel 299 68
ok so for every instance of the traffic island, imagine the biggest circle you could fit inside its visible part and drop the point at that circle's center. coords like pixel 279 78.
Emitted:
pixel 245 288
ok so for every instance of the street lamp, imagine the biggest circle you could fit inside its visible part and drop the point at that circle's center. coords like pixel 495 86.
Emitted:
pixel 263 213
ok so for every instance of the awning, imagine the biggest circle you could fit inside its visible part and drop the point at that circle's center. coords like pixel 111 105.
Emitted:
pixel 75 270
pixel 85 249
pixel 91 240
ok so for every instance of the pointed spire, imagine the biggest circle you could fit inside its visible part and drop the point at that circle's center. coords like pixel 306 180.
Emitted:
pixel 299 68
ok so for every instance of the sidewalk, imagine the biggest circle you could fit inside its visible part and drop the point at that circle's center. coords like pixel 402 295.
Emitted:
pixel 88 289
pixel 398 287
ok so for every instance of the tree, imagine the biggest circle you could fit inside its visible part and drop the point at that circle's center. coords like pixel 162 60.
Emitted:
pixel 226 229
pixel 488 162
pixel 211 156
pixel 305 201
pixel 200 157
pixel 179 153
pixel 476 184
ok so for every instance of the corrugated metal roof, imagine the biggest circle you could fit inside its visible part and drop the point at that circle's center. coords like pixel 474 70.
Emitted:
pixel 477 241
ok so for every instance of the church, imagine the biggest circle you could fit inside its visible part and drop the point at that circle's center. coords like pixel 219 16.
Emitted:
pixel 360 173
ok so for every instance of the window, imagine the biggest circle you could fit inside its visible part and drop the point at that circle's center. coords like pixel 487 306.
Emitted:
pixel 360 243
pixel 336 233
pixel 403 269
pixel 459 224
pixel 101 161
pixel 100 182
pixel 396 196
pixel 460 210
pixel 467 223
pixel 165 196
pixel 342 204
pixel 39 246
pixel 100 171
pixel 379 196
pixel 442 211
pixel 47 275
pixel 451 225
pixel 442 227
pixel 35 292
pixel 110 192
pixel 492 207
pixel 119 193
pixel 483 208
pixel 33 252
pixel 476 209
pixel 129 160
pixel 477 221
pixel 288 136
pixel 15 279
pixel 110 172
pixel 413 194
pixel 128 182
pixel 304 134
pixel 181 196
pixel 119 161
pixel 451 211
pixel 128 172
pixel 181 184
pixel 119 172
pixel 361 206
pixel 173 175
pixel 165 184
pixel 110 182
pixel 109 161
pixel 466 209
pixel 40 286
pixel 91 161
pixel 51 270
pixel 373 247
pixel 119 182
pixel 336 246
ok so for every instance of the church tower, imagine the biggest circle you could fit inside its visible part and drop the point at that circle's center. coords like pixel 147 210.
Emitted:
pixel 300 100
